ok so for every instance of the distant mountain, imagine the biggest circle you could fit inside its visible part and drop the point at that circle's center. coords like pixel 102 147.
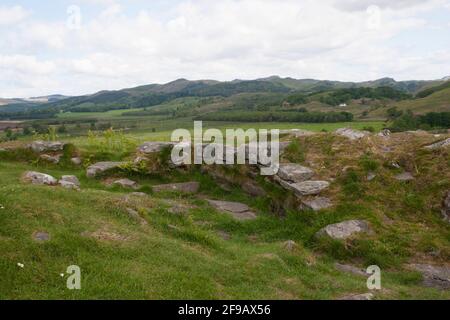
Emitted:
pixel 155 94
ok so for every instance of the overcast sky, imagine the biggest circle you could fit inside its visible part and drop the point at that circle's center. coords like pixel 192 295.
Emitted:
pixel 83 46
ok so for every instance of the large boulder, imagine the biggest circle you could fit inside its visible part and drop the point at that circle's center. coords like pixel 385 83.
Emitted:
pixel 446 207
pixel 154 147
pixel 309 188
pixel 294 172
pixel 238 210
pixel 187 187
pixel 352 134
pixel 39 178
pixel 101 167
pixel 434 276
pixel 343 230
pixel 46 146
pixel 438 145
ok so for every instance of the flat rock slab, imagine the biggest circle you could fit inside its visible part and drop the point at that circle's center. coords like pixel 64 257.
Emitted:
pixel 154 147
pixel 406 176
pixel 68 185
pixel 344 230
pixel 239 211
pixel 352 134
pixel 45 146
pixel 101 167
pixel 434 276
pixel 294 172
pixel 309 188
pixel 316 204
pixel 126 183
pixel 438 145
pixel 39 178
pixel 188 187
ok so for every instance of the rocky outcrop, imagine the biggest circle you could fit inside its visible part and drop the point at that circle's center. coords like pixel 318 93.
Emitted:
pixel 46 146
pixel 238 210
pixel 187 187
pixel 434 276
pixel 154 147
pixel 292 172
pixel 39 178
pixel 439 145
pixel 352 134
pixel 316 204
pixel 101 167
pixel 343 230
pixel 126 183
pixel 446 207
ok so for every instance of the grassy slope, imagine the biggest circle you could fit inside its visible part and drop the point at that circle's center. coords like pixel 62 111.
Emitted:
pixel 156 261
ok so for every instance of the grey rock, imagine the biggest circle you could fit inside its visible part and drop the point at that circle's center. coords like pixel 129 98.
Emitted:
pixel 406 176
pixel 316 204
pixel 188 187
pixel 71 179
pixel 439 145
pixel 52 159
pixel 294 172
pixel 154 147
pixel 446 207
pixel 41 236
pixel 46 146
pixel 238 210
pixel 386 133
pixel 358 297
pixel 308 188
pixel 68 185
pixel 350 269
pixel 344 230
pixel 302 133
pixel 101 167
pixel 126 183
pixel 39 178
pixel 138 194
pixel 352 134
pixel 371 176
pixel 76 161
pixel 290 245
pixel 136 216
pixel 434 276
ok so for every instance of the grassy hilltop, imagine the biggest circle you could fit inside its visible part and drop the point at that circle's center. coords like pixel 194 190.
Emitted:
pixel 189 250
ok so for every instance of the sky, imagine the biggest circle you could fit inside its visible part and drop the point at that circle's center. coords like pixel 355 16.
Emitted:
pixel 84 46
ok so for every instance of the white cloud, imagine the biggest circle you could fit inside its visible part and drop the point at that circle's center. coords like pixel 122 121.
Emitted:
pixel 11 15
pixel 222 40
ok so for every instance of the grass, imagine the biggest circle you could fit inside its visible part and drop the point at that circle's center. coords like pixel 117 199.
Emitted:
pixel 181 256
